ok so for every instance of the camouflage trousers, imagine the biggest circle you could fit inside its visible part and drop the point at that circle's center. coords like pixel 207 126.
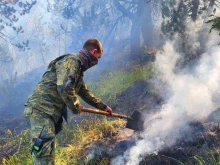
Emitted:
pixel 38 121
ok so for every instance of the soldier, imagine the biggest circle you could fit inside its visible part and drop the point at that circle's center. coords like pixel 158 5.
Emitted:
pixel 46 107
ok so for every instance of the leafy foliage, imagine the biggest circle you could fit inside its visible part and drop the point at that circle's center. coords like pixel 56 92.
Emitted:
pixel 215 23
pixel 215 20
pixel 178 19
pixel 174 15
pixel 10 12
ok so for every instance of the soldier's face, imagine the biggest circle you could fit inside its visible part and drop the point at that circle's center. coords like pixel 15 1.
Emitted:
pixel 96 54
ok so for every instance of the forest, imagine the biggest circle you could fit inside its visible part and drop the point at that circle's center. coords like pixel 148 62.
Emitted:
pixel 160 57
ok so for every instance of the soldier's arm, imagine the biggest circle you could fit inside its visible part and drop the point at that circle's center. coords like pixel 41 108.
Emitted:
pixel 88 97
pixel 65 80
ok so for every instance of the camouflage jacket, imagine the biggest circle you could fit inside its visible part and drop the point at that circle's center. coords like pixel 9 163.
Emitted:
pixel 59 86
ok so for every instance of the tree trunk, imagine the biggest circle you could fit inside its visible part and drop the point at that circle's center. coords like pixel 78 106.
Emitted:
pixel 194 9
pixel 147 25
pixel 141 24
pixel 135 40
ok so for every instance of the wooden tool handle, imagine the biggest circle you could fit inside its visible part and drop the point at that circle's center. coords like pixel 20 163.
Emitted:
pixel 96 111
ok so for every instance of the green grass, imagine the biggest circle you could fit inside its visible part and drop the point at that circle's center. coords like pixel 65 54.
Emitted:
pixel 210 157
pixel 114 83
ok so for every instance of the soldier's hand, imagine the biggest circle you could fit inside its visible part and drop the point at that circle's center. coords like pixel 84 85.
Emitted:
pixel 109 110
pixel 79 109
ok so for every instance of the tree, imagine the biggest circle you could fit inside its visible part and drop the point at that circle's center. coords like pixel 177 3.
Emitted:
pixel 177 18
pixel 139 13
pixel 113 23
pixel 11 11
pixel 88 19
pixel 175 14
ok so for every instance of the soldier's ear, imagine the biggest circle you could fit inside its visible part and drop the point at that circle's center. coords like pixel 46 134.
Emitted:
pixel 93 51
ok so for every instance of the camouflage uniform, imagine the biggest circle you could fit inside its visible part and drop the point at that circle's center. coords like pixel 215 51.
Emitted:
pixel 57 89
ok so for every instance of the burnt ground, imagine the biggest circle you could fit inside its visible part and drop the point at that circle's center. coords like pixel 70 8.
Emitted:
pixel 202 148
pixel 200 145
pixel 139 97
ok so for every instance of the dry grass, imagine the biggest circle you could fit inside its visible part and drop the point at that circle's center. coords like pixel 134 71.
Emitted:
pixel 77 141
pixel 212 133
pixel 85 135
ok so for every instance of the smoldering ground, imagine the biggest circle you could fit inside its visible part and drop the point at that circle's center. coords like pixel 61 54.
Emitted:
pixel 190 94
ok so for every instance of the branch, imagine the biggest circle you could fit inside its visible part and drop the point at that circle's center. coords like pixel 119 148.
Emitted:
pixel 21 46
pixel 124 11
pixel 3 37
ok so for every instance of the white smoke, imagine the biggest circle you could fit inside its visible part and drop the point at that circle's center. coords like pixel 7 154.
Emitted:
pixel 193 95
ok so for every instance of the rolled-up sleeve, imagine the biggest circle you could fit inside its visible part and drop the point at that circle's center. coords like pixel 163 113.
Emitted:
pixel 88 97
pixel 65 84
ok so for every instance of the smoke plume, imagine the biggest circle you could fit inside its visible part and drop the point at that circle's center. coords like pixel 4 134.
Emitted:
pixel 191 95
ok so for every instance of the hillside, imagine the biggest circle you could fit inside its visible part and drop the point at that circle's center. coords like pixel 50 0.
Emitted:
pixel 98 140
